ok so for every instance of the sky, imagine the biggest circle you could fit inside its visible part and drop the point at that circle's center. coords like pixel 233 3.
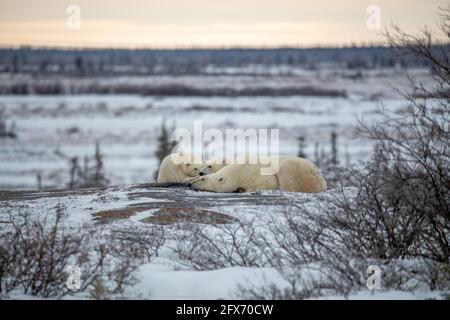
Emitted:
pixel 208 23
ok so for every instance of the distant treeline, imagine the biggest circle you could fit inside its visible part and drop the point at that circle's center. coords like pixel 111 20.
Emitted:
pixel 57 87
pixel 91 62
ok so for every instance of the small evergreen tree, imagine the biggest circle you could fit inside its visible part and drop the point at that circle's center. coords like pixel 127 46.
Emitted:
pixel 39 181
pixel 165 146
pixel 73 172
pixel 4 132
pixel 86 176
pixel 98 173
pixel 79 65
pixel 334 150
pixel 302 146
pixel 316 154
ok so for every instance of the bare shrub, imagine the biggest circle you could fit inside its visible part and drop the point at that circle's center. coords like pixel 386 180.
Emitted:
pixel 145 240
pixel 208 247
pixel 288 238
pixel 407 182
pixel 400 213
pixel 36 254
pixel 336 245
pixel 98 292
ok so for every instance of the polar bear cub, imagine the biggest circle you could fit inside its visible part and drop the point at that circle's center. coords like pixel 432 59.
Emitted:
pixel 295 174
pixel 179 169
pixel 236 177
pixel 215 164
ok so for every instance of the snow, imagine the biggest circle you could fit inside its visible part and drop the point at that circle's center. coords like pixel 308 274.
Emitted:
pixel 159 281
pixel 389 295
pixel 168 277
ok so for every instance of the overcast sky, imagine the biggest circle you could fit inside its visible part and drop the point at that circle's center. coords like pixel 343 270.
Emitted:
pixel 207 23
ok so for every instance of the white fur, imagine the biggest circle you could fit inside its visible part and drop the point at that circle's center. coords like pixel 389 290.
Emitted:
pixel 236 177
pixel 178 173
pixel 295 174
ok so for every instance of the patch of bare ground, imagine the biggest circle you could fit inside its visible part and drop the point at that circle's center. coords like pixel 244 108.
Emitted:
pixel 116 214
pixel 173 215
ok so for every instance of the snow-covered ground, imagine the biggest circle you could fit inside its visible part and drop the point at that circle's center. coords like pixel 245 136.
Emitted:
pixel 169 276
pixel 160 281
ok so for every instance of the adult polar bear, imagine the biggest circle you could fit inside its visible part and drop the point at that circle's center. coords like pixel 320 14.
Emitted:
pixel 295 174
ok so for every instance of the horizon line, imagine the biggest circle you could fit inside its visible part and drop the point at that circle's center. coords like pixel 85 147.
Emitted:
pixel 361 44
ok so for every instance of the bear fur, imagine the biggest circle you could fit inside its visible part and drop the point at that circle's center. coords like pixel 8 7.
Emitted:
pixel 215 164
pixel 186 171
pixel 234 178
pixel 295 174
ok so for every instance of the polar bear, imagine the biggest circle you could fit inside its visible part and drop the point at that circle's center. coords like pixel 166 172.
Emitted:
pixel 179 169
pixel 235 178
pixel 215 164
pixel 295 174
